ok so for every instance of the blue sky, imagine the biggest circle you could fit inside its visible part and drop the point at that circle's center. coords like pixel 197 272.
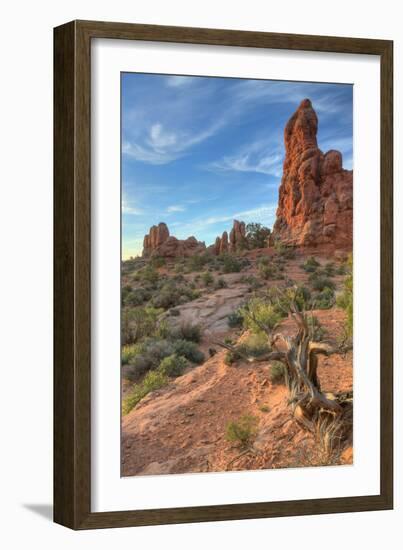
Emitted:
pixel 198 152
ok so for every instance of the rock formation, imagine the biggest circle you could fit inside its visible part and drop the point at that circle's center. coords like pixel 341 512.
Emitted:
pixel 237 236
pixel 316 194
pixel 157 235
pixel 159 242
pixel 235 242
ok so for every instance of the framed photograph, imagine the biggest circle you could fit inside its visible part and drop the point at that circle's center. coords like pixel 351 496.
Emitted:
pixel 223 275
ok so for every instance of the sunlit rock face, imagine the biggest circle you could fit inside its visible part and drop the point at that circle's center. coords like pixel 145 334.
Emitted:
pixel 316 194
pixel 158 242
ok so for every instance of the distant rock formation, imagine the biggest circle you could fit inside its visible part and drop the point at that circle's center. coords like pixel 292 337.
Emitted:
pixel 159 242
pixel 237 236
pixel 235 242
pixel 157 235
pixel 316 194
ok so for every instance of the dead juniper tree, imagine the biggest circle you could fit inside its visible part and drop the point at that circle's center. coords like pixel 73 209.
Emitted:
pixel 327 415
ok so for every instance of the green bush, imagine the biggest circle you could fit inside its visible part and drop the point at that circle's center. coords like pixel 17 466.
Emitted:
pixel 231 264
pixel 207 278
pixel 325 299
pixel 268 272
pixel 154 380
pixel 320 282
pixel 173 365
pixel 197 262
pixel 253 282
pixel 277 372
pixel 235 319
pixel 136 297
pixel 189 350
pixel 172 293
pixel 138 323
pixel 129 352
pixel 243 431
pixel 220 283
pixel 257 235
pixel 187 331
pixel 317 332
pixel 255 345
pixel 260 315
pixel 285 251
pixel 329 269
pixel 310 265
pixel 345 300
pixel 341 270
pixel 148 274
pixel 157 262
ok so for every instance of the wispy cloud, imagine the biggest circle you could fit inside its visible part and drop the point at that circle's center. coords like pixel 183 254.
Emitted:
pixel 261 156
pixel 179 81
pixel 129 208
pixel 264 213
pixel 162 146
pixel 176 208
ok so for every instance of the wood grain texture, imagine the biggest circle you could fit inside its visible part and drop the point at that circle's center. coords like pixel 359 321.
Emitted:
pixel 72 274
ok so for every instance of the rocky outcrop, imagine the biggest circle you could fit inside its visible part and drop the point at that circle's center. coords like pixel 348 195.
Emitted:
pixel 159 242
pixel 157 235
pixel 237 236
pixel 234 243
pixel 316 194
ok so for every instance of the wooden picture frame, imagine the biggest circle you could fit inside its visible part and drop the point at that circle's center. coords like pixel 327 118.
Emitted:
pixel 72 272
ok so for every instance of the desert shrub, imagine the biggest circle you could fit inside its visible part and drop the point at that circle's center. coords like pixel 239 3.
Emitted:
pixel 138 323
pixel 179 267
pixel 317 332
pixel 324 299
pixel 207 278
pixel 157 262
pixel 253 282
pixel 154 380
pixel 257 235
pixel 173 365
pixel 129 352
pixel 268 272
pixel 126 290
pixel 172 293
pixel 189 350
pixel 243 431
pixel 136 297
pixel 345 300
pixel 187 331
pixel 281 300
pixel 174 312
pixel 329 269
pixel 285 251
pixel 260 315
pixel 310 265
pixel 277 372
pixel 235 319
pixel 148 274
pixel 264 408
pixel 341 269
pixel 255 345
pixel 230 358
pixel 220 283
pixel 320 282
pixel 231 264
pixel 196 262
